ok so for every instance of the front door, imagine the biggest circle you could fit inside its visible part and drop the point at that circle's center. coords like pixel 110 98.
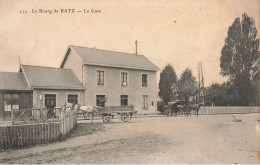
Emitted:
pixel 50 103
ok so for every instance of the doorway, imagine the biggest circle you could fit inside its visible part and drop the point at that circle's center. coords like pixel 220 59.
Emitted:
pixel 50 103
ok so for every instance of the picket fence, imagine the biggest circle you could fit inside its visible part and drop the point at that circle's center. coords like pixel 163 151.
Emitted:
pixel 68 121
pixel 227 110
pixel 36 133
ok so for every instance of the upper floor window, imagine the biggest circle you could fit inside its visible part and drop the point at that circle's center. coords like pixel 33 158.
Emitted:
pixel 123 79
pixel 73 99
pixel 144 80
pixel 100 77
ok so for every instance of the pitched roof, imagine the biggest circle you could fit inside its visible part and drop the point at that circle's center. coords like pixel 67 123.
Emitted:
pixel 93 56
pixel 12 81
pixel 51 78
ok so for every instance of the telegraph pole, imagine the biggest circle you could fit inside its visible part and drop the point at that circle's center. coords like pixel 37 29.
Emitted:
pixel 202 84
pixel 199 81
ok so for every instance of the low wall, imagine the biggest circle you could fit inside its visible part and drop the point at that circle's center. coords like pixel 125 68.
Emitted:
pixel 227 110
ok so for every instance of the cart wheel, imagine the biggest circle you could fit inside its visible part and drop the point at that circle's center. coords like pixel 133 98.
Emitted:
pixel 181 113
pixel 175 114
pixel 106 119
pixel 87 116
pixel 125 117
pixel 186 113
pixel 168 112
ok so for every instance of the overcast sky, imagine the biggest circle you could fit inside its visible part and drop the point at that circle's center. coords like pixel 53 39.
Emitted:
pixel 180 33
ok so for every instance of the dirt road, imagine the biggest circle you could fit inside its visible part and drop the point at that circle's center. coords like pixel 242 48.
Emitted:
pixel 203 139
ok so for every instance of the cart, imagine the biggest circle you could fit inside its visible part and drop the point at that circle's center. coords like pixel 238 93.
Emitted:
pixel 108 113
pixel 177 108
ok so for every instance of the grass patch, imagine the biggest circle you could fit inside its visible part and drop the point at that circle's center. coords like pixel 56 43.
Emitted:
pixel 82 129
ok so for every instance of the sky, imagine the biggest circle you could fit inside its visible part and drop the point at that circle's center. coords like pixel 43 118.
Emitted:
pixel 177 32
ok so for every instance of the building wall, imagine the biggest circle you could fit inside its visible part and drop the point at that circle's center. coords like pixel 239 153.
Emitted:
pixel 61 97
pixel 113 89
pixel 75 63
pixel 25 101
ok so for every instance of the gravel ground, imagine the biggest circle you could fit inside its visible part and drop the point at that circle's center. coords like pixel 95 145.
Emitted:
pixel 163 140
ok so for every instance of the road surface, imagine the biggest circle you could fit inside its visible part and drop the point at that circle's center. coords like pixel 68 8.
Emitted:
pixel 203 139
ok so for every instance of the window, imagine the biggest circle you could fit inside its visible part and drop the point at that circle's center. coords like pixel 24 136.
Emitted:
pixel 123 79
pixel 100 77
pixel 124 100
pixel 100 100
pixel 144 101
pixel 73 99
pixel 11 101
pixel 144 80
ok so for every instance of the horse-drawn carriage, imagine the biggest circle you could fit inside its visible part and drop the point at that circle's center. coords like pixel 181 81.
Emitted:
pixel 107 113
pixel 180 108
pixel 176 108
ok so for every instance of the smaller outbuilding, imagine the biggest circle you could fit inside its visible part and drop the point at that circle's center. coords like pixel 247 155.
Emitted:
pixel 38 87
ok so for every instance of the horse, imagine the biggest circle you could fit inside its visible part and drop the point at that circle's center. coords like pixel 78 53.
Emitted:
pixel 89 111
pixel 195 108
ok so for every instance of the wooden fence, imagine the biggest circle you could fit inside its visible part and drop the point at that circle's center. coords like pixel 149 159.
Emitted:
pixel 36 133
pixel 227 110
pixel 68 121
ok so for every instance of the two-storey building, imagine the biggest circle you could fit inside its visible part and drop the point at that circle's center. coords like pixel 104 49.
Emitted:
pixel 114 78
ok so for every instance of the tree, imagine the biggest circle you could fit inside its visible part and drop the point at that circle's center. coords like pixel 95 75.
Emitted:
pixel 167 82
pixel 186 85
pixel 240 51
pixel 217 94
pixel 239 59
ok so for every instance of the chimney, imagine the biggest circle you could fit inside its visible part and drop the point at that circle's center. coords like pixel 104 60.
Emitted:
pixel 136 47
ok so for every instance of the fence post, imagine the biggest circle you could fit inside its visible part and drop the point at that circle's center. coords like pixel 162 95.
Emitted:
pixel 12 116
pixel 61 122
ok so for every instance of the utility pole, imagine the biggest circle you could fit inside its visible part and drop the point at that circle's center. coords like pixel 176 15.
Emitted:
pixel 199 82
pixel 202 84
